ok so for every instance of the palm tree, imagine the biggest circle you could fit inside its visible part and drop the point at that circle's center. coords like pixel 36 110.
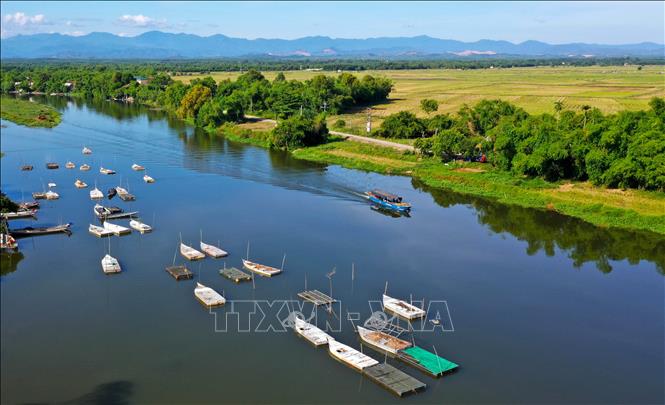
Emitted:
pixel 558 106
pixel 585 109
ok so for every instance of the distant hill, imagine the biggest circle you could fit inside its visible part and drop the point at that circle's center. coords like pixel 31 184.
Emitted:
pixel 162 45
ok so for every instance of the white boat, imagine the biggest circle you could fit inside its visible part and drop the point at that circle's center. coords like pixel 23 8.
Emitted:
pixel 314 335
pixel 84 167
pixel 86 150
pixel 382 340
pixel 19 214
pixel 112 212
pixel 116 229
pixel 190 253
pixel 260 268
pixel 99 231
pixel 207 296
pixel 51 195
pixel 402 308
pixel 106 171
pixel 96 194
pixel 140 226
pixel 70 165
pixel 51 185
pixel 110 264
pixel 137 167
pixel 148 179
pixel 349 356
pixel 213 251
pixel 80 184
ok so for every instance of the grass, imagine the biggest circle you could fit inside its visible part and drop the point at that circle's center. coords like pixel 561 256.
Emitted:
pixel 609 88
pixel 28 113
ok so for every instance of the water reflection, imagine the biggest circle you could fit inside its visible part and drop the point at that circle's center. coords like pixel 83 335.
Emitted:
pixel 9 262
pixel 547 231
pixel 113 393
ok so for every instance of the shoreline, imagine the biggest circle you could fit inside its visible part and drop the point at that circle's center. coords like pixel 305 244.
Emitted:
pixel 29 113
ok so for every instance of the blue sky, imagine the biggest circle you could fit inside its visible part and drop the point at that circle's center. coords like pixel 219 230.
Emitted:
pixel 554 22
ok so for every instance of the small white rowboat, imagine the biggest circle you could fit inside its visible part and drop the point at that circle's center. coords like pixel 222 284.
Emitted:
pixel 80 184
pixel 349 356
pixel 148 179
pixel 140 226
pixel 314 335
pixel 110 264
pixel 99 231
pixel 208 297
pixel 137 167
pixel 260 268
pixel 116 229
pixel 190 253
pixel 213 251
pixel 96 194
pixel 402 308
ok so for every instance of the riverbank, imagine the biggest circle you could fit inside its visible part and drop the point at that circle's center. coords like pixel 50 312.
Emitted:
pixel 626 209
pixel 28 113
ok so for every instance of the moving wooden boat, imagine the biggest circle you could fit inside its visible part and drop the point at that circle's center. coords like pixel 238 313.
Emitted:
pixel 190 253
pixel 51 195
pixel 80 184
pixel 213 251
pixel 124 194
pixel 116 229
pixel 387 200
pixel 208 297
pixel 96 194
pixel 52 166
pixel 402 308
pixel 30 231
pixel 314 335
pixel 111 193
pixel 110 265
pixel 29 205
pixel 84 167
pixel 382 341
pixel 99 231
pixel 261 269
pixel 137 167
pixel 112 212
pixel 86 150
pixel 26 168
pixel 148 179
pixel 70 165
pixel 349 356
pixel 19 214
pixel 7 242
pixel 106 171
pixel 140 226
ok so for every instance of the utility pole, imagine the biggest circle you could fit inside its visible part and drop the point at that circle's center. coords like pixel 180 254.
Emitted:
pixel 369 120
pixel 325 106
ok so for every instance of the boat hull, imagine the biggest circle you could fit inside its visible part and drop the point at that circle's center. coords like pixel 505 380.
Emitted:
pixel 388 205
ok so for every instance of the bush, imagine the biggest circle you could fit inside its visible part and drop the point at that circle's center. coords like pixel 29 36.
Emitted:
pixel 339 124
pixel 298 131
pixel 404 125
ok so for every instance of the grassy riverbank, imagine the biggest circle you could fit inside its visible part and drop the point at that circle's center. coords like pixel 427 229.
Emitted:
pixel 28 113
pixel 627 209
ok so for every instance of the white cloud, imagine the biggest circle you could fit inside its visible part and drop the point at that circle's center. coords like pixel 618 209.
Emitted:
pixel 141 20
pixel 74 33
pixel 22 20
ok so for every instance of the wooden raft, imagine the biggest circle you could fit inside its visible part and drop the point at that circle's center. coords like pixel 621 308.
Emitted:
pixel 394 380
pixel 316 297
pixel 179 272
pixel 235 274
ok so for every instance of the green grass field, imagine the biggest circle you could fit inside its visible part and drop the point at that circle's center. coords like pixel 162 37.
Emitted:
pixel 609 88
pixel 28 113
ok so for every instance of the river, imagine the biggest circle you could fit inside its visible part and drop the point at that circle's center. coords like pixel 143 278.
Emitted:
pixel 535 307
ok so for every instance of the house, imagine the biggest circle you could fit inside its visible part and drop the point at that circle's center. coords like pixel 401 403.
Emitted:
pixel 69 85
pixel 142 80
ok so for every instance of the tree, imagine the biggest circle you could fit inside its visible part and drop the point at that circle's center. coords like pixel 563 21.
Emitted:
pixel 195 98
pixel 428 105
pixel 558 106
pixel 403 125
pixel 298 131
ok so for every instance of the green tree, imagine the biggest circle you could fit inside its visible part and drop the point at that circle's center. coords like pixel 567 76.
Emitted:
pixel 428 105
pixel 298 131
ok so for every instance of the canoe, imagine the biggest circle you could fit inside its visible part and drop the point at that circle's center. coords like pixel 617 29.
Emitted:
pixel 51 195
pixel 140 226
pixel 86 151
pixel 110 265
pixel 116 229
pixel 84 167
pixel 30 231
pixel 99 231
pixel 213 251
pixel 137 167
pixel 208 297
pixel 314 335
pixel 19 214
pixel 382 341
pixel 148 179
pixel 80 184
pixel 349 356
pixel 7 242
pixel 261 269
pixel 26 168
pixel 52 166
pixel 190 253
pixel 70 165
pixel 96 194
pixel 402 308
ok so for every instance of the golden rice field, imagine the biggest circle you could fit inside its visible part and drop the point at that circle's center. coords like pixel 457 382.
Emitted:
pixel 609 88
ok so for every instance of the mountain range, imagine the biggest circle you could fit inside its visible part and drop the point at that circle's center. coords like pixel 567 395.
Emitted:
pixel 162 45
